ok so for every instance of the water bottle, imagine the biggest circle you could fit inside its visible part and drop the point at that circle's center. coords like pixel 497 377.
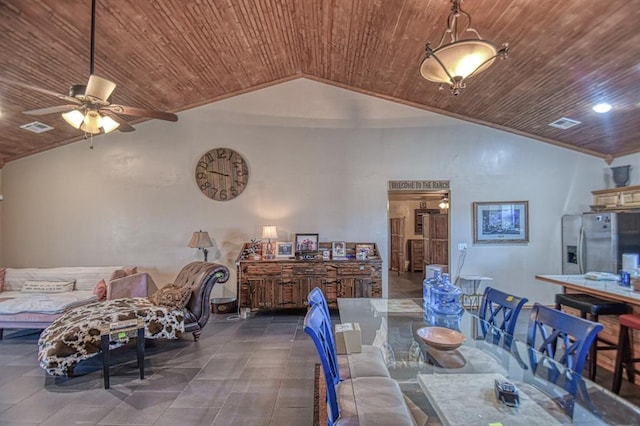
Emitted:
pixel 427 296
pixel 446 306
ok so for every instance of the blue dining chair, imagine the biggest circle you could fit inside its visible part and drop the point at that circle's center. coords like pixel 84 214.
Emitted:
pixel 547 328
pixel 499 313
pixel 315 325
pixel 316 297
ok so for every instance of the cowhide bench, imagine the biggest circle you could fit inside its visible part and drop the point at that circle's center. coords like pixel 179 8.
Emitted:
pixel 75 336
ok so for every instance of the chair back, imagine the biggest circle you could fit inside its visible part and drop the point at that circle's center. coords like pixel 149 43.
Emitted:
pixel 499 312
pixel 316 297
pixel 315 325
pixel 549 326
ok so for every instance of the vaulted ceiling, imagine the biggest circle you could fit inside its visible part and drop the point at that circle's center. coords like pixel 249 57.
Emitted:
pixel 173 55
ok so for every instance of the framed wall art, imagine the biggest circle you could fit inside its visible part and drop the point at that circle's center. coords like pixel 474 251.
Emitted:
pixel 284 249
pixel 499 222
pixel 306 243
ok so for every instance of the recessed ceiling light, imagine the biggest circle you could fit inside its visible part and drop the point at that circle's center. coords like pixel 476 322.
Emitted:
pixel 601 107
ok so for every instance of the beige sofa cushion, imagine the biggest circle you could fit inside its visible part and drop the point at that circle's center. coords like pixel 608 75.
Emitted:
pixel 86 277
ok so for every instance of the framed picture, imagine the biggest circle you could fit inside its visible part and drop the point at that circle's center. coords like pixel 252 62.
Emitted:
pixel 284 249
pixel 338 249
pixel 306 243
pixel 501 222
pixel 367 248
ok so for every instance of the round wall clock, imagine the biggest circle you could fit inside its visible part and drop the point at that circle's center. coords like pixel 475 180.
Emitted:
pixel 222 174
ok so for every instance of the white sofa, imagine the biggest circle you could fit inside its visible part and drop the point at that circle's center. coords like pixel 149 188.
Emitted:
pixel 33 309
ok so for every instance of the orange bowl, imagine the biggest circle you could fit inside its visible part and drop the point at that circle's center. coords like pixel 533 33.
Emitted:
pixel 441 338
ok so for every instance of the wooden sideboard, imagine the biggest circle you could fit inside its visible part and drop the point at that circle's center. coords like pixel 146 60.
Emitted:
pixel 624 197
pixel 284 283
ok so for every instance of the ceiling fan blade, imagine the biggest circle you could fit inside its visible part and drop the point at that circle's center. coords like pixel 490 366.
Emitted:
pixel 41 90
pixel 99 88
pixel 51 110
pixel 124 126
pixel 139 112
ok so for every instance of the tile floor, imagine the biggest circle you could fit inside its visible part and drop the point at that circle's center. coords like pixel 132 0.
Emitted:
pixel 242 372
pixel 250 372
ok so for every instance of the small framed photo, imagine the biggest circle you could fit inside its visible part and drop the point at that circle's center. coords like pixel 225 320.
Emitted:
pixel 338 250
pixel 306 243
pixel 284 249
pixel 501 222
pixel 364 248
pixel 326 254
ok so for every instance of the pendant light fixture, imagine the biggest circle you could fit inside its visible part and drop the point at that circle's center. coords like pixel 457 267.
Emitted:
pixel 465 55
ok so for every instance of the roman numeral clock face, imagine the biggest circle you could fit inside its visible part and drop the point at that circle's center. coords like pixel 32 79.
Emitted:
pixel 222 174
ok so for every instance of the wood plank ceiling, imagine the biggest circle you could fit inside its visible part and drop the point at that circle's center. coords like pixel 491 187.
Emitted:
pixel 174 55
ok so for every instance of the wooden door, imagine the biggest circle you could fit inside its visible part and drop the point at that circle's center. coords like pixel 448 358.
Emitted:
pixel 436 236
pixel 396 263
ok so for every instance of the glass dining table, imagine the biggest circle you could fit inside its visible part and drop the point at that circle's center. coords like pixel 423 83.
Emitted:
pixel 458 384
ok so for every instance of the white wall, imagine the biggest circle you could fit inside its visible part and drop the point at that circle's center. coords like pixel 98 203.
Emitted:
pixel 320 158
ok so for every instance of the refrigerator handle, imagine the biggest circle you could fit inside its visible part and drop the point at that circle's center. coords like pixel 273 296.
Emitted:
pixel 581 250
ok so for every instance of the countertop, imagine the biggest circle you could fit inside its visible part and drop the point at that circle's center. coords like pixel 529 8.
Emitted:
pixel 609 289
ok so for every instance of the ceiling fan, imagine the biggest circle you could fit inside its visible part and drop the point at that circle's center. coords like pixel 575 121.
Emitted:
pixel 90 108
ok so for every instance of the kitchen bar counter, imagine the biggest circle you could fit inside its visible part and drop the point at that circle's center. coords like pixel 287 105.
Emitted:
pixel 605 289
pixel 611 290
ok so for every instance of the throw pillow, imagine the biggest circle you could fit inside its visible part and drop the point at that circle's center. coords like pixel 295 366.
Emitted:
pixel 3 271
pixel 100 290
pixel 172 296
pixel 118 273
pixel 47 286
pixel 130 270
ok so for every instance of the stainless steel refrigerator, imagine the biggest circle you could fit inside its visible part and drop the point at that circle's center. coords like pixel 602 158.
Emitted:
pixel 595 242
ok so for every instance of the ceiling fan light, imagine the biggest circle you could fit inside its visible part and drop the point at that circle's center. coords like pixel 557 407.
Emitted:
pixel 109 124
pixel 75 118
pixel 92 122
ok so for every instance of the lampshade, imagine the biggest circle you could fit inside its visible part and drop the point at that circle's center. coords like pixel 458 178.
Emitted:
pixel 269 232
pixel 74 118
pixel 461 58
pixel 200 239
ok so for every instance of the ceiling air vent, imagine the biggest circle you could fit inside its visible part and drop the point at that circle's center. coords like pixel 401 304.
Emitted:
pixel 564 123
pixel 36 127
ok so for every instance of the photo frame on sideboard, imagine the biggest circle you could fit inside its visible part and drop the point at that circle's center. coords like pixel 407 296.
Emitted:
pixel 306 243
pixel 338 250
pixel 501 222
pixel 284 249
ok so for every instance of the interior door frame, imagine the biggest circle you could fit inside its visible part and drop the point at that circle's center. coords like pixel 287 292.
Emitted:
pixel 410 196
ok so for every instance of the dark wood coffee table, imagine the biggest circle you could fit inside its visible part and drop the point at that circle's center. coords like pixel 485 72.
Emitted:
pixel 119 331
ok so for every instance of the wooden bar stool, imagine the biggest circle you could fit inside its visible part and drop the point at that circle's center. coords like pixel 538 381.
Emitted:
pixel 625 359
pixel 593 306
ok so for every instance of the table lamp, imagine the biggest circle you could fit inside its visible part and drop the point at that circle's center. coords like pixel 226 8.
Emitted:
pixel 201 241
pixel 269 232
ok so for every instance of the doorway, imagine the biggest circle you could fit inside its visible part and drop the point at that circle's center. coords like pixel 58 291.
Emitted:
pixel 419 235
